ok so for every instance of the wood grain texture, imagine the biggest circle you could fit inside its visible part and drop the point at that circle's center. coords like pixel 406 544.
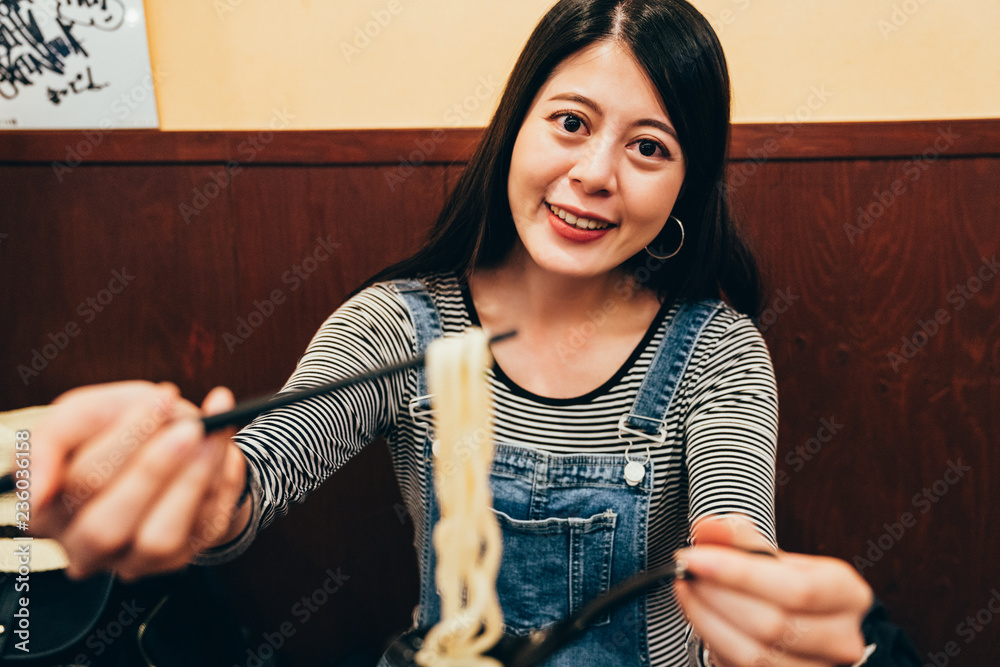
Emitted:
pixel 925 419
pixel 64 149
pixel 313 214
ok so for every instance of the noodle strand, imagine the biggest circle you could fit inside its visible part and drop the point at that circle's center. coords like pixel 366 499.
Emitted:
pixel 467 538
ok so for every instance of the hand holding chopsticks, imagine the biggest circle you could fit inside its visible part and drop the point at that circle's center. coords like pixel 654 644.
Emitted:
pixel 124 477
pixel 132 477
pixel 791 610
pixel 247 410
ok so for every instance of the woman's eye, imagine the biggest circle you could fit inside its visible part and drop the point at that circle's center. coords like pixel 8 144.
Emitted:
pixel 648 148
pixel 571 123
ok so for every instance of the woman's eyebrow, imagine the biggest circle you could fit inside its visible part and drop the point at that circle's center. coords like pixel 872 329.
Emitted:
pixel 662 127
pixel 644 122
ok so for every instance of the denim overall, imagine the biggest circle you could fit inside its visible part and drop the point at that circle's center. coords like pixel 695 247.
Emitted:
pixel 572 526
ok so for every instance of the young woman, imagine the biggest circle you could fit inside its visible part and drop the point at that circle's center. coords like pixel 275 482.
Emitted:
pixel 632 410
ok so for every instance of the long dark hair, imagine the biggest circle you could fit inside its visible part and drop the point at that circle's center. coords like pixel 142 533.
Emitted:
pixel 683 58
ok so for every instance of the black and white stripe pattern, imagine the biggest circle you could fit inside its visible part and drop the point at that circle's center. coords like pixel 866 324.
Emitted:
pixel 723 419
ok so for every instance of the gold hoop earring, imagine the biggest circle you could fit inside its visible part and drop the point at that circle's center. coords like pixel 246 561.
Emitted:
pixel 681 245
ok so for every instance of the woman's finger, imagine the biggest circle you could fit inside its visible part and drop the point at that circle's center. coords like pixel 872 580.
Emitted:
pixel 75 418
pixel 820 585
pixel 90 468
pixel 107 523
pixel 219 510
pixel 733 530
pixel 830 637
pixel 730 645
pixel 161 542
pixel 216 513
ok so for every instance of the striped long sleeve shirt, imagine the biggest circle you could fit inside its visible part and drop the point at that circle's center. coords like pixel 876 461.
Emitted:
pixel 723 418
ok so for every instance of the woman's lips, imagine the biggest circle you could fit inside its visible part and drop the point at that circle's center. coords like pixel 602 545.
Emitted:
pixel 572 232
pixel 578 218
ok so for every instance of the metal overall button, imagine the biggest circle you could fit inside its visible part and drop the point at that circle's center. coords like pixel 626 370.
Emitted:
pixel 635 470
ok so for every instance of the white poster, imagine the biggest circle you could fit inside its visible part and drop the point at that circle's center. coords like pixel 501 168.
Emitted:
pixel 74 64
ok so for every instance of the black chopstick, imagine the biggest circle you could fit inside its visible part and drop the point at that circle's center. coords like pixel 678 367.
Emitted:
pixel 245 411
pixel 535 648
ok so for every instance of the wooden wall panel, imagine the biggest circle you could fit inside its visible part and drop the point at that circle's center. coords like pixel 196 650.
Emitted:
pixel 195 280
pixel 900 423
pixel 355 527
pixel 64 243
pixel 842 300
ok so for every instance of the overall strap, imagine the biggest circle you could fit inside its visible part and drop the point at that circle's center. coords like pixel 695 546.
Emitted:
pixel 648 417
pixel 427 323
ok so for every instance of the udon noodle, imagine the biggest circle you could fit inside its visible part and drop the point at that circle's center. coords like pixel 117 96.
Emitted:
pixel 467 538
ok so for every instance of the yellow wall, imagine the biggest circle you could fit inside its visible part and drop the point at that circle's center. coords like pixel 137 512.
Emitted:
pixel 308 64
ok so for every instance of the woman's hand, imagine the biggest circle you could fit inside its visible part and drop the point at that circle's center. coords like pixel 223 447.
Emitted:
pixel 123 476
pixel 754 610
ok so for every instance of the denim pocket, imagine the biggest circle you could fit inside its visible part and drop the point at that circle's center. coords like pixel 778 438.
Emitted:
pixel 552 567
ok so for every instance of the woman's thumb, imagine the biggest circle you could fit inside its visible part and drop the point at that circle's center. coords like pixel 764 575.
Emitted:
pixel 731 530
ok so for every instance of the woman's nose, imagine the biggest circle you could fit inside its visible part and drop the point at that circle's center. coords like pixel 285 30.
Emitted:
pixel 594 167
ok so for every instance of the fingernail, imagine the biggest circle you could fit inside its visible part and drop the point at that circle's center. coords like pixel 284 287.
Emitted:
pixel 222 399
pixel 681 570
pixel 186 434
pixel 169 388
pixel 698 563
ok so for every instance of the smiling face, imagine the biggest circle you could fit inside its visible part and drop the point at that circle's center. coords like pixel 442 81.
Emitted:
pixel 596 167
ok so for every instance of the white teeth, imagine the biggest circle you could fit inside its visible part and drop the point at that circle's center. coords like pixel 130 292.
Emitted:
pixel 579 223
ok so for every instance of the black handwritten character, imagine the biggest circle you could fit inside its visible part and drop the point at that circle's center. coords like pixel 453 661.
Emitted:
pixel 72 84
pixel 101 14
pixel 55 96
pixel 27 54
pixel 90 85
